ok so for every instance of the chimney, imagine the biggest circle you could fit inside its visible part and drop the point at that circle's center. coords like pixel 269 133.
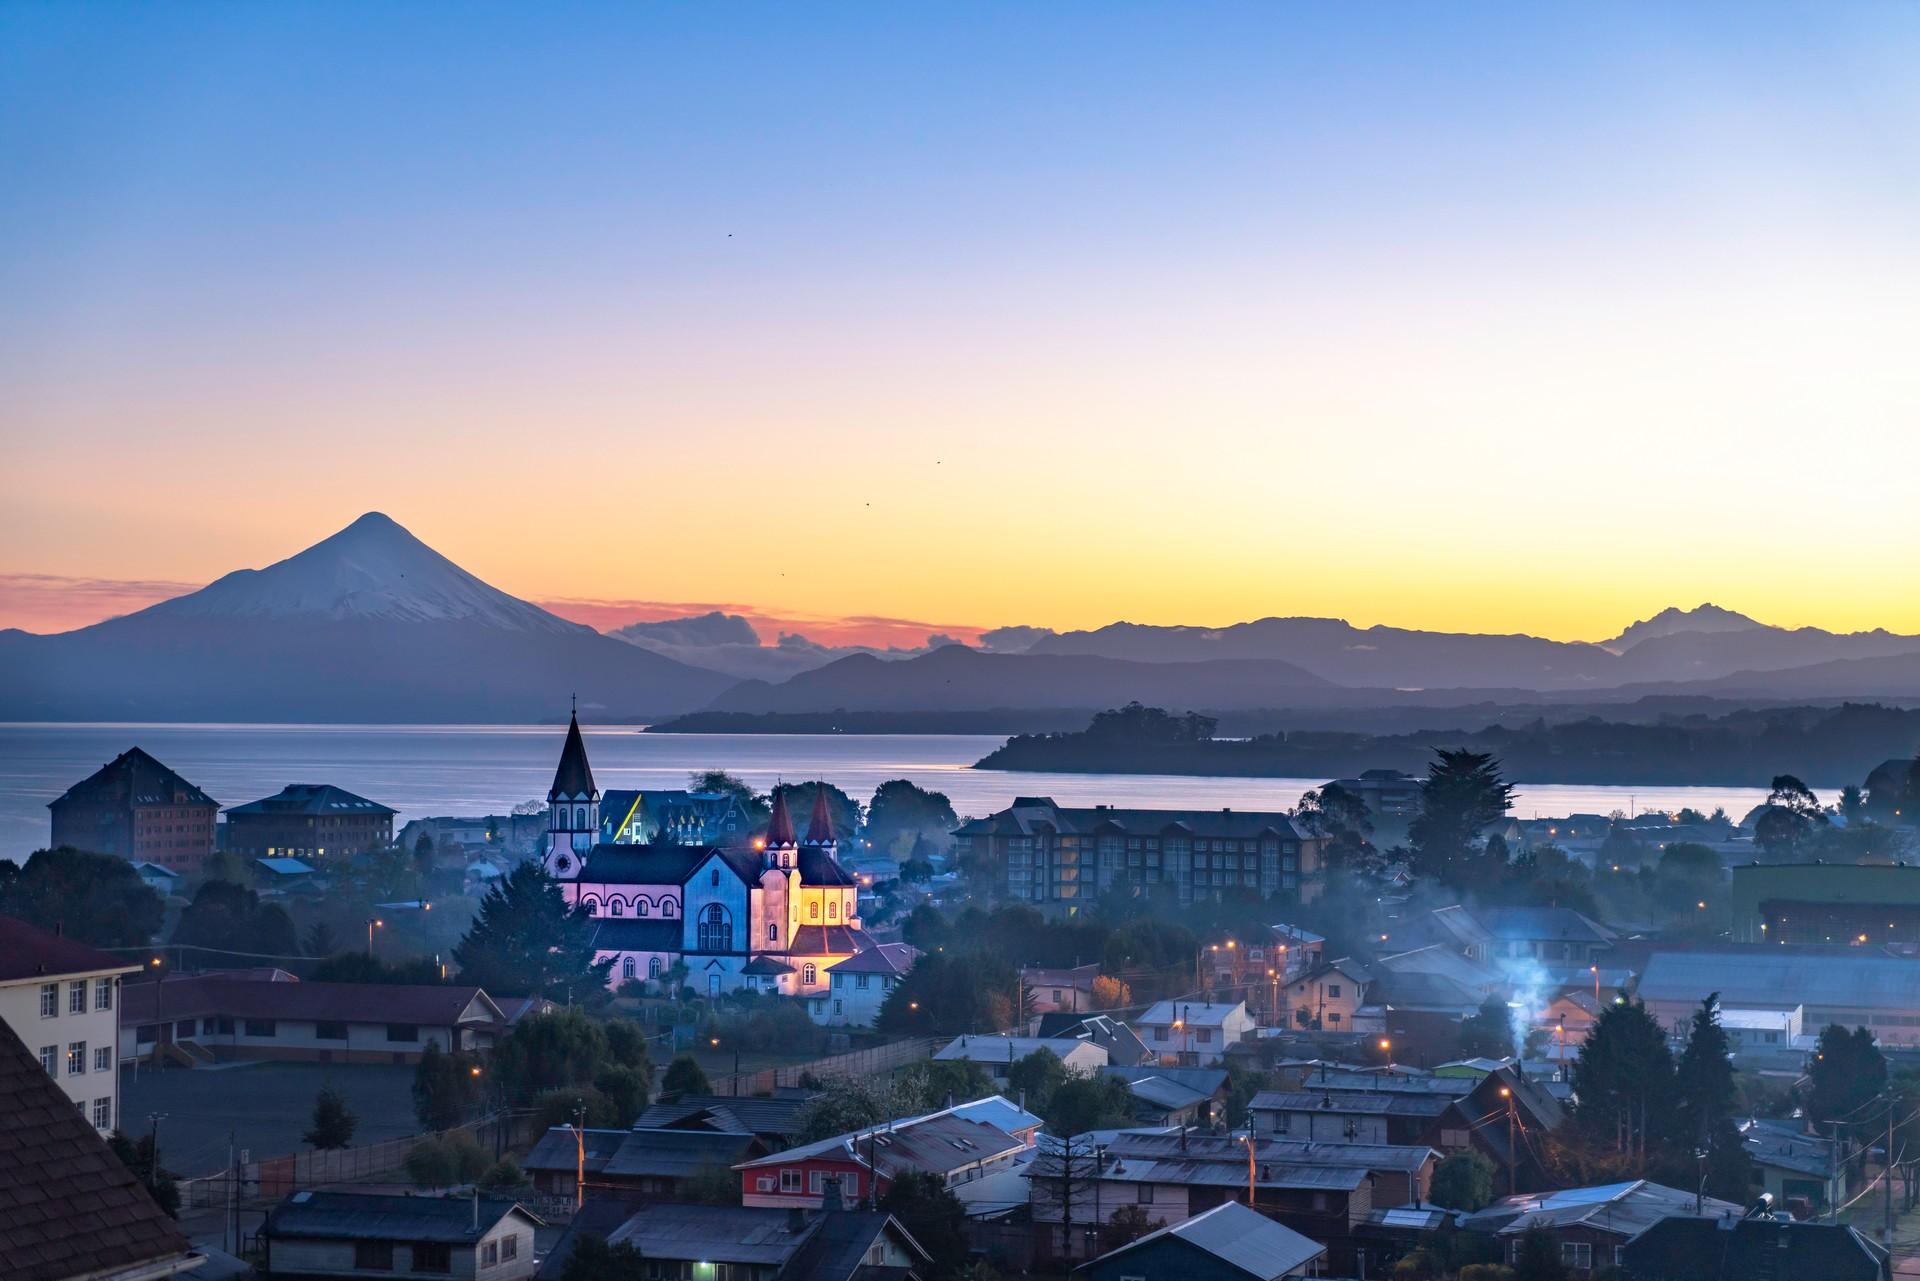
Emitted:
pixel 830 1199
pixel 796 1221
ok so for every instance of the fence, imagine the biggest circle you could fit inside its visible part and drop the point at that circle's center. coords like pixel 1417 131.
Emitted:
pixel 271 1178
pixel 880 1058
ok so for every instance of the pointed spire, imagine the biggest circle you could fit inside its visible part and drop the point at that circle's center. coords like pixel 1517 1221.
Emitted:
pixel 780 825
pixel 820 826
pixel 574 777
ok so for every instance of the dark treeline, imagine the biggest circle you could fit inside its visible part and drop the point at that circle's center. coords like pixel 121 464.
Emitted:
pixel 1828 744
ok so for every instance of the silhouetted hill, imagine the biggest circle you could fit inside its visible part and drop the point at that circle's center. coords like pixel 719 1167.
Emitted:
pixel 370 624
pixel 959 679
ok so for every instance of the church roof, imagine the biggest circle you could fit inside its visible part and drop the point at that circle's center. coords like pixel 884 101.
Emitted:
pixel 780 825
pixel 574 777
pixel 820 826
pixel 828 940
pixel 819 867
pixel 642 864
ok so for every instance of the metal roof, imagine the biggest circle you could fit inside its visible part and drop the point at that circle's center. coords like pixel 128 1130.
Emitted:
pixel 677 1154
pixel 1241 1238
pixel 1352 1102
pixel 1620 1208
pixel 1192 1013
pixel 322 799
pixel 363 1216
pixel 1781 977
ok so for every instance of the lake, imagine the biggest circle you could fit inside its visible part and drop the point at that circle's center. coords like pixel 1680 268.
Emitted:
pixel 423 770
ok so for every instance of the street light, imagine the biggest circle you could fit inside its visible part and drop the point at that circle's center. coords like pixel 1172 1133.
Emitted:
pixel 373 923
pixel 1513 1158
pixel 159 1012
pixel 1386 1048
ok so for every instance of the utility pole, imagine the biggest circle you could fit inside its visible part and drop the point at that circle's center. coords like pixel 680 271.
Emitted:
pixel 1513 1157
pixel 1886 1238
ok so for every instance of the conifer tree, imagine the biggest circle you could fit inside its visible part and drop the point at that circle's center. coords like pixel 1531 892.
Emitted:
pixel 526 941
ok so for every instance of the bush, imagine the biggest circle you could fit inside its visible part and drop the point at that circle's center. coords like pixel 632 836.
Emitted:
pixel 504 1175
pixel 556 1107
pixel 446 1159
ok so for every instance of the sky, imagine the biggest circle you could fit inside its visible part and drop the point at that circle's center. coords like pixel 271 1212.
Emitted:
pixel 1489 318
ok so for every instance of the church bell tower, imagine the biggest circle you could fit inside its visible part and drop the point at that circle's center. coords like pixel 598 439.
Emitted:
pixel 573 808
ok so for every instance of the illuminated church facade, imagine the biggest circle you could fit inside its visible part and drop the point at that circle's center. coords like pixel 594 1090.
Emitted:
pixel 775 918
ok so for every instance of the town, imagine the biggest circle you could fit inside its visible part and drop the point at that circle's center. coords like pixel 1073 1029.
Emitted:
pixel 705 1033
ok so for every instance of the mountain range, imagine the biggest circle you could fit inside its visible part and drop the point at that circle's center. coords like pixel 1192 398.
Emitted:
pixel 371 624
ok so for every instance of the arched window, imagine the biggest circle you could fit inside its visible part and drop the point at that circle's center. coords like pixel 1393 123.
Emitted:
pixel 713 878
pixel 773 932
pixel 592 905
pixel 579 817
pixel 666 907
pixel 616 908
pixel 807 973
pixel 640 907
pixel 716 931
pixel 626 967
pixel 653 967
pixel 833 909
pixel 813 909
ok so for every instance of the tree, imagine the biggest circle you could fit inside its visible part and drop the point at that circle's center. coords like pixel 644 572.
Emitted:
pixel 754 805
pixel 1705 1102
pixel 358 967
pixel 932 1215
pixel 685 1077
pixel 1464 1181
pixel 1085 1103
pixel 1343 821
pixel 442 1160
pixel 950 993
pixel 505 1178
pixel 1847 1073
pixel 841 808
pixel 526 941
pixel 567 1051
pixel 1462 795
pixel 711 1185
pixel 1488 1032
pixel 333 1121
pixel 592 1259
pixel 1110 993
pixel 901 813
pixel 1126 1225
pixel 92 898
pixel 1792 813
pixel 137 1155
pixel 320 940
pixel 1624 1081
pixel 846 1104
pixel 227 918
pixel 1035 1078
pixel 924 927
pixel 1538 1258
pixel 444 1088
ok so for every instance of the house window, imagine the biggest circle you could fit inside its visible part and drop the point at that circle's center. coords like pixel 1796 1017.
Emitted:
pixel 373 1256
pixel 1144 1194
pixel 407 1032
pixel 616 908
pixel 330 1031
pixel 1333 991
pixel 773 933
pixel 432 1256
pixel 640 907
pixel 510 1246
pixel 77 997
pixel 813 910
pixel 103 994
pixel 49 1000
pixel 716 931
pixel 666 907
pixel 626 967
pixel 1333 1020
pixel 837 1008
pixel 860 980
pixel 146 1034
pixel 103 1058
pixel 1576 1254
pixel 50 1059
pixel 833 909
pixel 1203 1035
pixel 653 967
pixel 713 877
pixel 103 1114
pixel 258 1027
pixel 789 1180
pixel 1160 1033
pixel 183 1030
pixel 808 972
pixel 489 1254
pixel 76 1058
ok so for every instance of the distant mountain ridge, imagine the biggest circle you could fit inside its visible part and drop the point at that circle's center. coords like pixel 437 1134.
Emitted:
pixel 1706 619
pixel 369 625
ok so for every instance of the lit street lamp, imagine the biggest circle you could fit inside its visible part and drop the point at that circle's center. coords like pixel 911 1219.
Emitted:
pixel 373 923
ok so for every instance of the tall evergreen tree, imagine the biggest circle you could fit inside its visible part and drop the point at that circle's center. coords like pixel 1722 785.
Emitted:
pixel 1624 1081
pixel 333 1121
pixel 1462 794
pixel 94 898
pixel 526 941
pixel 444 1088
pixel 1705 1099
pixel 1847 1073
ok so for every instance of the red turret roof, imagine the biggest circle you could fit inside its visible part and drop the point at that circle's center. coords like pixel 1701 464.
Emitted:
pixel 820 826
pixel 780 826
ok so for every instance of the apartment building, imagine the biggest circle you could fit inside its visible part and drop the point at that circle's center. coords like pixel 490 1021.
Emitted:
pixel 62 999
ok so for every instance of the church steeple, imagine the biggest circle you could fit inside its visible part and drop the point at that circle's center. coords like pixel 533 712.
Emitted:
pixel 780 825
pixel 573 807
pixel 820 826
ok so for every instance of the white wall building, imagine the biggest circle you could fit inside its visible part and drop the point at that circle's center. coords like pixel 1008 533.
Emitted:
pixel 1194 1033
pixel 62 999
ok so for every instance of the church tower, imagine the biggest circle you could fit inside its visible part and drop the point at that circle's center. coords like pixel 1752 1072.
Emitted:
pixel 820 827
pixel 573 808
pixel 782 849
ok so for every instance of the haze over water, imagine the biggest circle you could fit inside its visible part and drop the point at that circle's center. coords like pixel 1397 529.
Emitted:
pixel 423 770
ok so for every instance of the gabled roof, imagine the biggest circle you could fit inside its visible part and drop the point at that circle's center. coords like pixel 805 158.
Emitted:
pixel 1351 1103
pixel 1210 1081
pixel 1010 1049
pixel 29 952
pixel 365 1216
pixel 574 777
pixel 1193 1013
pixel 881 958
pixel 1621 1208
pixel 935 1142
pixel 424 1004
pixel 315 799
pixel 764 964
pixel 818 866
pixel 678 1154
pixel 743 1115
pixel 135 778
pixel 1720 1249
pixel 68 1206
pixel 1241 1239
pixel 641 864
pixel 829 940
pixel 1561 923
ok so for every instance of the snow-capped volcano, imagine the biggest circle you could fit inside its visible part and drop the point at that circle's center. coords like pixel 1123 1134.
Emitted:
pixel 372 569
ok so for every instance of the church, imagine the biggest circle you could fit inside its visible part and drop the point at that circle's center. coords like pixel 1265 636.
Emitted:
pixel 774 918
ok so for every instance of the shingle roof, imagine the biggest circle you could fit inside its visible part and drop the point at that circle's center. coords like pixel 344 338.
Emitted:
pixel 135 777
pixel 574 777
pixel 27 951
pixel 780 824
pixel 881 958
pixel 820 825
pixel 58 1175
pixel 319 799
pixel 819 867
pixel 828 940
pixel 1243 1239
pixel 637 934
pixel 363 1216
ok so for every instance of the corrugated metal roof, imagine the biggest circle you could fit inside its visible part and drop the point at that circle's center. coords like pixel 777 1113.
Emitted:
pixel 1780 977
pixel 361 1216
pixel 1241 1238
